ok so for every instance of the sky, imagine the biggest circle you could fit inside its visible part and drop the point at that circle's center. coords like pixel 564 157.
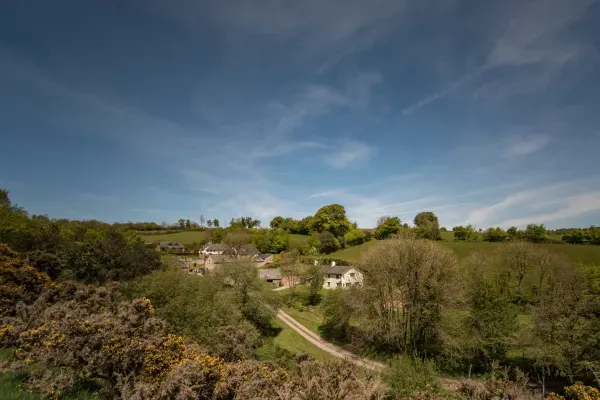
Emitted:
pixel 484 112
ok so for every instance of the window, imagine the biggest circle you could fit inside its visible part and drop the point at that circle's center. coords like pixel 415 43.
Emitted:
pixel 338 276
pixel 328 284
pixel 351 274
pixel 339 284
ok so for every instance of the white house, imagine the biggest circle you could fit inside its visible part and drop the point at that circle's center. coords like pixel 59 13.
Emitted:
pixel 214 249
pixel 342 276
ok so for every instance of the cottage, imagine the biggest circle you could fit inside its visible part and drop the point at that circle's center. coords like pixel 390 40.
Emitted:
pixel 163 246
pixel 342 276
pixel 245 250
pixel 215 248
pixel 270 275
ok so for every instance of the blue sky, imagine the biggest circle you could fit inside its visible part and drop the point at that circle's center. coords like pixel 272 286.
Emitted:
pixel 483 112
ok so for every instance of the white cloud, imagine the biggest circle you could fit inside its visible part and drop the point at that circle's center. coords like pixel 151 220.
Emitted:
pixel 324 194
pixel 526 145
pixel 350 153
pixel 569 207
pixel 574 196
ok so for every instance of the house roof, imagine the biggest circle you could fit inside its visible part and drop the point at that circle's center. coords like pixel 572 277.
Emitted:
pixel 339 269
pixel 269 274
pixel 262 257
pixel 247 250
pixel 216 247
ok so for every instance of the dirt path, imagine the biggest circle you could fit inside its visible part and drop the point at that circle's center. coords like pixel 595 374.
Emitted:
pixel 330 348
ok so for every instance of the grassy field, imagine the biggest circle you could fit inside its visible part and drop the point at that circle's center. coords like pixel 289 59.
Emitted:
pixel 289 340
pixel 185 238
pixel 588 255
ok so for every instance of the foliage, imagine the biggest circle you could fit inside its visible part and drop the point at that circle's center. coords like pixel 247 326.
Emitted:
pixel 339 306
pixel 409 280
pixel 407 376
pixel 18 282
pixel 535 233
pixel 315 275
pixel 271 240
pixel 244 223
pixel 354 237
pixel 566 322
pixel 427 225
pixel 203 309
pixel 492 319
pixel 328 243
pixel 578 391
pixel 75 333
pixel 89 251
pixel 589 235
pixel 464 232
pixel 387 226
pixel 332 219
pixel 217 235
pixel 495 235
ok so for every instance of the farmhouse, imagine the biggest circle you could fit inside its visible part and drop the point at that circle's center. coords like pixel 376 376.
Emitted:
pixel 342 276
pixel 222 248
pixel 270 275
pixel 214 248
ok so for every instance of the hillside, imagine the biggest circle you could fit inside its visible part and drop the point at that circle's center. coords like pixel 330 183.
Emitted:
pixel 589 255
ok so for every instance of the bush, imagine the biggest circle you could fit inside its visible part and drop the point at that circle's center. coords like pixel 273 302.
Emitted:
pixel 407 376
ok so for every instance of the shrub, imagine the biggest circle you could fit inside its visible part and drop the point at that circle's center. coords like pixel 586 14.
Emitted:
pixel 408 375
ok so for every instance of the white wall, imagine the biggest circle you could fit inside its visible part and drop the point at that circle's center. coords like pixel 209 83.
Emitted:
pixel 331 281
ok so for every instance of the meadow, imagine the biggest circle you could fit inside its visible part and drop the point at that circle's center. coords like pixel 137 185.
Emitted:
pixel 184 237
pixel 587 255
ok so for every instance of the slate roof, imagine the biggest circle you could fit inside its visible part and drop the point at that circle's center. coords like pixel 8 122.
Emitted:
pixel 263 257
pixel 339 269
pixel 216 247
pixel 248 250
pixel 269 274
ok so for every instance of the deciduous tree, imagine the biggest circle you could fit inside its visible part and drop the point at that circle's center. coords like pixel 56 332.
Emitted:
pixel 387 226
pixel 331 218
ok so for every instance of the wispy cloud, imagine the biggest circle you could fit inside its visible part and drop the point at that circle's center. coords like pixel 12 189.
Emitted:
pixel 575 197
pixel 324 194
pixel 569 207
pixel 526 145
pixel 350 153
pixel 532 38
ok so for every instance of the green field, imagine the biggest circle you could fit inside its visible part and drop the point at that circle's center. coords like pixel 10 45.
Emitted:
pixel 588 255
pixel 289 340
pixel 185 238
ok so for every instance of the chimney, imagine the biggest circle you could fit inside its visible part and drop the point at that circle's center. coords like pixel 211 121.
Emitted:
pixel 333 263
pixel 316 262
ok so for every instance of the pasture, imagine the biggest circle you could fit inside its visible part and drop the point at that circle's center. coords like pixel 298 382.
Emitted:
pixel 587 255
